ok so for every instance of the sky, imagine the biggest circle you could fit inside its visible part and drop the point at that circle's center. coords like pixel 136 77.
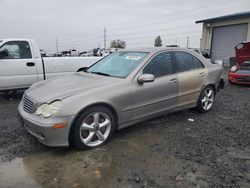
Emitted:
pixel 80 24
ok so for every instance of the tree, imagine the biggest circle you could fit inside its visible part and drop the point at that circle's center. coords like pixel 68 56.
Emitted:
pixel 158 41
pixel 118 44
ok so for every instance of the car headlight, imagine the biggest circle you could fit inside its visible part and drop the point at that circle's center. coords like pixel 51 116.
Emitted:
pixel 47 110
pixel 233 69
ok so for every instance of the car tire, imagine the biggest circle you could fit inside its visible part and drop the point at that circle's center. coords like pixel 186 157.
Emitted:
pixel 206 99
pixel 92 128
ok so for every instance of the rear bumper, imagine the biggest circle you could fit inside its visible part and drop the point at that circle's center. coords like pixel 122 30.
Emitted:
pixel 43 130
pixel 239 78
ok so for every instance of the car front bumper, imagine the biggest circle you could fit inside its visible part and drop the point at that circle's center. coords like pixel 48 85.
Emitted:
pixel 239 78
pixel 43 130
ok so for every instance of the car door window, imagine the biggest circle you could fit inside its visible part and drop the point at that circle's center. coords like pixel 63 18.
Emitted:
pixel 183 61
pixel 15 50
pixel 198 63
pixel 160 65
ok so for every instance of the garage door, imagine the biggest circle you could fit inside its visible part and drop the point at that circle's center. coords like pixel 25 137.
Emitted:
pixel 225 39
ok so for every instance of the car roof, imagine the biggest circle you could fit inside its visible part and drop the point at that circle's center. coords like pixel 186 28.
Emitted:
pixel 152 49
pixel 15 39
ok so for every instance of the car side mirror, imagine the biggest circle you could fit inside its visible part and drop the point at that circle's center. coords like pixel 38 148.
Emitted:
pixel 145 78
pixel 4 53
pixel 233 69
pixel 83 69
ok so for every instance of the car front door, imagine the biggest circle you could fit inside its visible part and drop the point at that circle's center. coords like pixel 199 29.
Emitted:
pixel 17 67
pixel 191 73
pixel 159 95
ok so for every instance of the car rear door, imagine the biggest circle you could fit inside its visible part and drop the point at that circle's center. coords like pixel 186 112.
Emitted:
pixel 160 95
pixel 191 74
pixel 17 66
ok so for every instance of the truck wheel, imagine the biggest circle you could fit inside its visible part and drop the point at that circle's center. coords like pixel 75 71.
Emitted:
pixel 93 128
pixel 206 99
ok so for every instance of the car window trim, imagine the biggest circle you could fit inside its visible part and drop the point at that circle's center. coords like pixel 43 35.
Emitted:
pixel 18 41
pixel 199 61
pixel 176 61
pixel 173 72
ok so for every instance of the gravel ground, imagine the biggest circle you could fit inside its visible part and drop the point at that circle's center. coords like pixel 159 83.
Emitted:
pixel 170 151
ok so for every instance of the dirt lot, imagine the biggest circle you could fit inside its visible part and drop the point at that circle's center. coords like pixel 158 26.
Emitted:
pixel 171 151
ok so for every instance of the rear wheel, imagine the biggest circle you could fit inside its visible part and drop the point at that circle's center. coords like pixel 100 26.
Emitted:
pixel 93 128
pixel 206 99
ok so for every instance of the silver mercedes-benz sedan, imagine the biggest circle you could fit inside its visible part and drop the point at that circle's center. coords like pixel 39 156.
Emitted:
pixel 121 89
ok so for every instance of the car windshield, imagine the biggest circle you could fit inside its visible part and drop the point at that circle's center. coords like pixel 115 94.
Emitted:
pixel 118 64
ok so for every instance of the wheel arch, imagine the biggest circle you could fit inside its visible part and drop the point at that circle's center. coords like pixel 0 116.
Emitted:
pixel 103 104
pixel 213 86
pixel 203 87
pixel 209 84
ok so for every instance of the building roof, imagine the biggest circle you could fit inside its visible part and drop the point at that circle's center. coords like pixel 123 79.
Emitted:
pixel 226 17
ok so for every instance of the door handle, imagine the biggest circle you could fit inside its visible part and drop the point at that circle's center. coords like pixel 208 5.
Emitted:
pixel 30 64
pixel 201 74
pixel 173 81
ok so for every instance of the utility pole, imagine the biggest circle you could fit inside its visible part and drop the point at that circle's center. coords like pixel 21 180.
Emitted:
pixel 175 41
pixel 187 41
pixel 104 38
pixel 56 47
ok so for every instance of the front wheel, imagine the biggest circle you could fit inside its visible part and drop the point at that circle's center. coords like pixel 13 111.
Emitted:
pixel 93 128
pixel 206 99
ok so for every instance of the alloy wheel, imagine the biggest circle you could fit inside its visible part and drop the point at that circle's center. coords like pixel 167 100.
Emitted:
pixel 207 99
pixel 95 129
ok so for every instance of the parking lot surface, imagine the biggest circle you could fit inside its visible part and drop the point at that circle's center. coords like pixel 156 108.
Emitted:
pixel 184 149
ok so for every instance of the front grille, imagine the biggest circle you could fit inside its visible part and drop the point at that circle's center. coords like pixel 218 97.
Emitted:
pixel 28 105
pixel 244 79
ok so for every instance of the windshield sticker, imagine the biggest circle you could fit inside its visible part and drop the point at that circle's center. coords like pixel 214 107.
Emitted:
pixel 135 58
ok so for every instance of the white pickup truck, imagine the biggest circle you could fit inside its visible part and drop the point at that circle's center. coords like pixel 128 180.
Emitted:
pixel 21 64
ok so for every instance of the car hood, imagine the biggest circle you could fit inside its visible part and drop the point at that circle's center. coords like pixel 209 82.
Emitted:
pixel 66 86
pixel 242 52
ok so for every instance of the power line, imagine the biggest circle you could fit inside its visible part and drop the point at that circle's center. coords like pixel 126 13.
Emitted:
pixel 153 30
pixel 90 39
pixel 155 18
pixel 151 42
pixel 142 37
pixel 169 14
pixel 96 34
pixel 121 35
pixel 175 34
pixel 92 30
